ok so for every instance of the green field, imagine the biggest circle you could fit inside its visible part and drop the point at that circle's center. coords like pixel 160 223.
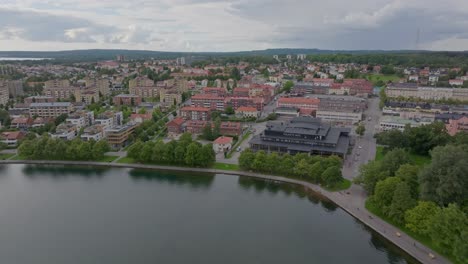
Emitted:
pixel 415 158
pixel 225 166
pixel 345 184
pixel 6 156
pixel 374 78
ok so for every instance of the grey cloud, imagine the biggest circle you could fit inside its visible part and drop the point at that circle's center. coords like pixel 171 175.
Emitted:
pixel 38 26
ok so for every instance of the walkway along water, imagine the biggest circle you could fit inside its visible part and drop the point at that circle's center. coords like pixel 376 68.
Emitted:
pixel 351 200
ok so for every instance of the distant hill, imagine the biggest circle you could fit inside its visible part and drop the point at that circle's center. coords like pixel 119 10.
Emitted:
pixel 108 54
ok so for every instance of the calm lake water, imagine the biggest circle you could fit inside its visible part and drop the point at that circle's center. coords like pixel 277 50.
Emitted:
pixel 90 215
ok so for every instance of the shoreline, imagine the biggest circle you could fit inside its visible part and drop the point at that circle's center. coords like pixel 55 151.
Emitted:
pixel 344 201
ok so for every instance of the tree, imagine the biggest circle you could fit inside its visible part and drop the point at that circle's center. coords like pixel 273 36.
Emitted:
pixel 288 85
pixel 401 202
pixel 419 218
pixel 332 176
pixel 191 154
pixel 360 129
pixel 207 155
pixel 259 161
pixel 384 192
pixel 444 181
pixel 60 119
pixel 135 150
pixel 409 174
pixel 446 227
pixel 99 148
pixel 316 171
pixel 229 110
pixel 271 162
pixel 393 138
pixel 302 168
pixel 246 159
pixel 393 159
pixel 370 174
pixel 207 132
pixel 424 138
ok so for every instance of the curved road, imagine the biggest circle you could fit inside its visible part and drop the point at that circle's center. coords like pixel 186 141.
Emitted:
pixel 352 201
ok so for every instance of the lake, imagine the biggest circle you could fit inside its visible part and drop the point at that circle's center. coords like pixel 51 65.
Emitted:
pixel 53 214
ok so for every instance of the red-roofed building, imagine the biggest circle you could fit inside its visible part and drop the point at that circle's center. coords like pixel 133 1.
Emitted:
pixel 222 144
pixel 22 123
pixel 195 126
pixel 236 102
pixel 218 91
pixel 195 113
pixel 212 102
pixel 358 87
pixel 241 92
pixel 247 111
pixel 11 138
pixel 456 82
pixel 174 127
pixel 140 118
pixel 299 102
pixel 230 128
pixel 457 125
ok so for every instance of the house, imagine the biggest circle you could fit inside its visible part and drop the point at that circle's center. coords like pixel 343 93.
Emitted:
pixel 118 136
pixel 66 131
pixel 457 125
pixel 195 113
pixel 174 127
pixel 433 78
pixel 11 138
pixel 140 118
pixel 22 123
pixel 222 144
pixel 456 82
pixel 246 112
pixel 126 99
pixel 94 132
pixel 413 78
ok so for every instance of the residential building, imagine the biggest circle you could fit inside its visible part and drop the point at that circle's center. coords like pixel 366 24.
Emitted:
pixel 230 128
pixel 4 95
pixel 236 102
pixel 110 119
pixel 212 102
pixel 62 93
pixel 222 144
pixel 11 138
pixel 140 118
pixel 140 81
pixel 299 103
pixel 170 97
pixel 38 99
pixel 127 99
pixel 217 91
pixel 94 132
pixel 195 113
pixel 66 131
pixel 56 84
pixel 81 119
pixel 86 96
pixel 340 111
pixel 392 122
pixel 302 135
pixel 145 92
pixel 456 82
pixel 457 124
pixel 118 136
pixel 174 127
pixel 50 110
pixel 247 112
pixel 22 123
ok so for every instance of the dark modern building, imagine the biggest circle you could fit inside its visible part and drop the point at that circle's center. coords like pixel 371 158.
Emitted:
pixel 302 135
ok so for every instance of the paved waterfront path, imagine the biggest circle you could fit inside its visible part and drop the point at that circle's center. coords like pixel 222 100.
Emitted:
pixel 351 200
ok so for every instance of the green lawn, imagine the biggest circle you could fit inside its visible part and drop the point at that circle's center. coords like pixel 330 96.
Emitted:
pixel 225 166
pixel 19 157
pixel 423 240
pixel 108 158
pixel 374 78
pixel 345 184
pixel 415 158
pixel 126 160
pixel 6 156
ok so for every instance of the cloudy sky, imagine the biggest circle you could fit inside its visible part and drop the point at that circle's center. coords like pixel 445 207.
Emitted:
pixel 233 25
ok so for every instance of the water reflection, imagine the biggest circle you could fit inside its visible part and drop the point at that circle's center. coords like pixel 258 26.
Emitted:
pixel 394 254
pixel 274 187
pixel 194 180
pixel 57 172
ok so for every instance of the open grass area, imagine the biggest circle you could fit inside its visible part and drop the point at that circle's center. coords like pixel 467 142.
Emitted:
pixel 6 156
pixel 415 158
pixel 126 160
pixel 374 78
pixel 108 158
pixel 225 166
pixel 19 157
pixel 421 239
pixel 345 184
